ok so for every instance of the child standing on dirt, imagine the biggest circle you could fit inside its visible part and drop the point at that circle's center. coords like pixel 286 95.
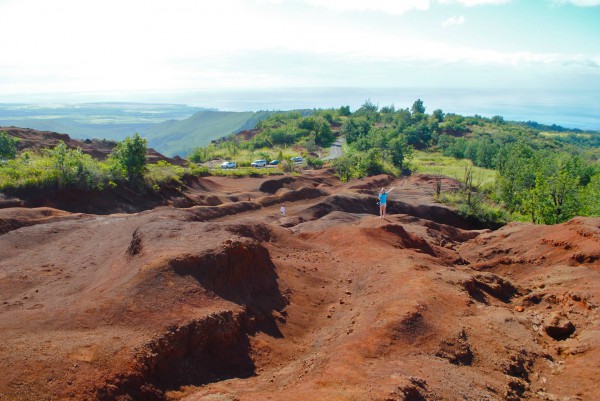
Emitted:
pixel 282 210
pixel 383 201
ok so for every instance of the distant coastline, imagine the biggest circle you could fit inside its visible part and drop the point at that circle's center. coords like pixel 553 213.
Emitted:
pixel 575 109
pixel 569 109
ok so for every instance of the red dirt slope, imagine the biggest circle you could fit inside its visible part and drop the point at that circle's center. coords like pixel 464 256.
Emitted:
pixel 99 149
pixel 233 301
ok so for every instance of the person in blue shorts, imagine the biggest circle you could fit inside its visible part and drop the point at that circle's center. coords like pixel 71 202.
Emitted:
pixel 383 201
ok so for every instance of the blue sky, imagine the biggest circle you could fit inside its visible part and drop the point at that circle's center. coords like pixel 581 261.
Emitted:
pixel 135 46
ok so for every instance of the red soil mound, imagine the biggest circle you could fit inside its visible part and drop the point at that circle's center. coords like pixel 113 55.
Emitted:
pixel 99 149
pixel 235 301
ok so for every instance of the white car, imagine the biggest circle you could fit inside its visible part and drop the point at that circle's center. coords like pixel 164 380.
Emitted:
pixel 228 165
pixel 258 163
pixel 297 159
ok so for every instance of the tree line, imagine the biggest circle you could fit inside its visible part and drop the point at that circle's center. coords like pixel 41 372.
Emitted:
pixel 541 179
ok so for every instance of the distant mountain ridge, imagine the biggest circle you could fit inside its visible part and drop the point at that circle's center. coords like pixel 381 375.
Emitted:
pixel 171 129
pixel 179 137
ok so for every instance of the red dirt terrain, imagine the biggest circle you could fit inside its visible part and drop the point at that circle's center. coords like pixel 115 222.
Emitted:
pixel 220 298
pixel 99 149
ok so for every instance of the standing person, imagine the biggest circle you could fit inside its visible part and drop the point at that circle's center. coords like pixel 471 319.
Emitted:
pixel 282 210
pixel 383 201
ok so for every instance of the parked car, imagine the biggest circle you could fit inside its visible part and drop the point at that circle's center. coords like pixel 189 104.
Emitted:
pixel 228 165
pixel 258 163
pixel 274 162
pixel 297 159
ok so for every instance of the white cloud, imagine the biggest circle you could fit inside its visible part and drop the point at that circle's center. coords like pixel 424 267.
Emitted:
pixel 470 3
pixel 393 7
pixel 454 20
pixel 70 45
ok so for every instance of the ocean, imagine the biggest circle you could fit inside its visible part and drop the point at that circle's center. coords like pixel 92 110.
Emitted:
pixel 567 108
pixel 570 109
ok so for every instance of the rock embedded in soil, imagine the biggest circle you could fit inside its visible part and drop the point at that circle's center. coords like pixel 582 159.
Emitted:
pixel 558 326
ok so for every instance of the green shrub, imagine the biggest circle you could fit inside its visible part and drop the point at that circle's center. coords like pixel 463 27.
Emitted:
pixel 196 170
pixel 59 167
pixel 163 172
pixel 313 162
pixel 8 146
pixel 129 158
pixel 476 209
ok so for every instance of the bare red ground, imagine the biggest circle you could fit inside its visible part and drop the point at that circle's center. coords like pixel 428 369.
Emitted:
pixel 232 301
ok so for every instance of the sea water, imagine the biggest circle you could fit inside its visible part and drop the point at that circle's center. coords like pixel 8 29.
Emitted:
pixel 567 108
pixel 571 109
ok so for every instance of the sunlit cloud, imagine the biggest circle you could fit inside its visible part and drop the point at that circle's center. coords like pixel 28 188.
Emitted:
pixel 393 7
pixel 454 20
pixel 68 45
pixel 470 3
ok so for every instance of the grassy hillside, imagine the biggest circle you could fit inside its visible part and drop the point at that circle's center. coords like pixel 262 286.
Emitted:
pixel 173 129
pixel 436 163
pixel 75 129
pixel 112 120
pixel 175 137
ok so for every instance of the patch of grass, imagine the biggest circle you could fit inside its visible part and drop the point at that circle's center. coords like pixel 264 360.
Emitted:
pixel 436 163
pixel 565 134
pixel 244 157
pixel 42 170
pixel 479 210
pixel 245 172
pixel 27 172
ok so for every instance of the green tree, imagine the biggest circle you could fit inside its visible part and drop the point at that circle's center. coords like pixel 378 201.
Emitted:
pixel 399 151
pixel 129 157
pixel 325 136
pixel 516 173
pixel 438 114
pixel 74 168
pixel 363 143
pixel 328 116
pixel 8 146
pixel 355 128
pixel 497 120
pixel 344 167
pixel 486 154
pixel 369 163
pixel 453 125
pixel 388 109
pixel 564 195
pixel 591 197
pixel 418 107
pixel 59 156
pixel 419 135
pixel 402 119
pixel 369 111
pixel 280 136
pixel 344 111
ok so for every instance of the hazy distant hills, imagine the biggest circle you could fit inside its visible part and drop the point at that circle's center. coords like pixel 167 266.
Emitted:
pixel 179 137
pixel 170 129
pixel 79 130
